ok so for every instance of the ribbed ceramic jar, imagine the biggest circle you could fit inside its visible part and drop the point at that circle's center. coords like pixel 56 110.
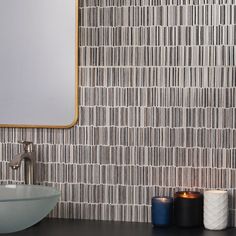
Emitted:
pixel 216 209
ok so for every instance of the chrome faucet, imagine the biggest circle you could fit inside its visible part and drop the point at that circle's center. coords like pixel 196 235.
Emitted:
pixel 29 157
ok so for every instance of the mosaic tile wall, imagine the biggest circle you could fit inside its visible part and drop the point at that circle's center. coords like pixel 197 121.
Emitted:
pixel 157 110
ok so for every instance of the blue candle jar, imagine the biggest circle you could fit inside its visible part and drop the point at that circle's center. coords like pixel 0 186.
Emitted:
pixel 162 210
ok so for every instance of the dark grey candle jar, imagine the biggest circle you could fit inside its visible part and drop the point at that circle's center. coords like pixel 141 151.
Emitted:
pixel 188 209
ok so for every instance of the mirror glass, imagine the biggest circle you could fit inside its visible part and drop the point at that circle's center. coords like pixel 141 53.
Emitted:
pixel 38 63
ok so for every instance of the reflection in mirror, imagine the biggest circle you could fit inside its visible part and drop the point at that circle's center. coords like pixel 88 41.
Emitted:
pixel 38 63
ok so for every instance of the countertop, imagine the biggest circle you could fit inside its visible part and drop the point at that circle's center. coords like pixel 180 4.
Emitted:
pixel 60 227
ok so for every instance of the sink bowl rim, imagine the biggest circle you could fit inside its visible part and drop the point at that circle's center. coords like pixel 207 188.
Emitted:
pixel 55 192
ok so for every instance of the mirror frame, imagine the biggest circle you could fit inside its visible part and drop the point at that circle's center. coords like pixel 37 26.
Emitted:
pixel 76 85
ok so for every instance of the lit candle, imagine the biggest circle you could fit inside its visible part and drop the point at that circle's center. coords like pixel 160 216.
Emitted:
pixel 162 208
pixel 188 209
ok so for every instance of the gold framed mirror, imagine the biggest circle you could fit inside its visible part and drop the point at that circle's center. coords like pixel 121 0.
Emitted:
pixel 38 63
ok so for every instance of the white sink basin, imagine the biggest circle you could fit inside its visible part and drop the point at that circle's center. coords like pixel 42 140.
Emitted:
pixel 22 206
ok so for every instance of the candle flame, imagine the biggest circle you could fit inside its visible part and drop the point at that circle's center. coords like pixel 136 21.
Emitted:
pixel 163 199
pixel 189 195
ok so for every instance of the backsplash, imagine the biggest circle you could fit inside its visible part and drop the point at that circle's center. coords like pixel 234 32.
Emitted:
pixel 157 110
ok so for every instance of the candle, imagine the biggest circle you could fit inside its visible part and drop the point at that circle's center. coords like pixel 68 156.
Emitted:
pixel 216 209
pixel 162 208
pixel 188 209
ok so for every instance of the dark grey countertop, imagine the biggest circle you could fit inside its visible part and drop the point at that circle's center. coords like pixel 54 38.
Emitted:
pixel 60 227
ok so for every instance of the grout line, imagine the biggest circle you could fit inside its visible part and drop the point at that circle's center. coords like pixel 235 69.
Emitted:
pixel 153 107
pixel 156 127
pixel 155 46
pixel 156 26
pixel 138 186
pixel 192 167
pixel 158 66
pixel 219 5
pixel 156 87
pixel 144 26
pixel 124 146
pixel 118 165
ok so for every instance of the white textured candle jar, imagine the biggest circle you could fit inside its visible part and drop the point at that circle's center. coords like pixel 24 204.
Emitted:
pixel 216 209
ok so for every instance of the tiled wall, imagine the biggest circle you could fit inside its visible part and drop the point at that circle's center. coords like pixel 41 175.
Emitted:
pixel 157 109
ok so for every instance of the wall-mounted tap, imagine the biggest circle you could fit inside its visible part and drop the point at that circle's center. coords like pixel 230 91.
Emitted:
pixel 29 157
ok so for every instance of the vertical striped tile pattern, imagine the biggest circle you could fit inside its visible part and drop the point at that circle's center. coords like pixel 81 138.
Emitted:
pixel 157 110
